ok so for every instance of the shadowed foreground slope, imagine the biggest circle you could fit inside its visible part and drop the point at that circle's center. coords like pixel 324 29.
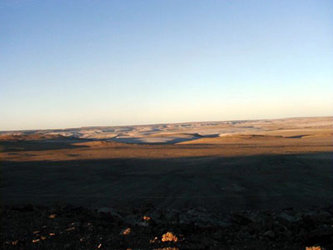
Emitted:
pixel 256 182
pixel 257 202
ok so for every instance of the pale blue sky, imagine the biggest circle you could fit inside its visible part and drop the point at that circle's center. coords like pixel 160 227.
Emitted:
pixel 82 63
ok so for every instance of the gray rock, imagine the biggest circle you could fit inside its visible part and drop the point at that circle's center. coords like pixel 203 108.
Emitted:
pixel 110 211
pixel 285 218
pixel 132 220
pixel 104 210
pixel 269 234
pixel 143 224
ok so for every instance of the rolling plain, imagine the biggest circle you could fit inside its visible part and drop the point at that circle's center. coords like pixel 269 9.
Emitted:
pixel 220 167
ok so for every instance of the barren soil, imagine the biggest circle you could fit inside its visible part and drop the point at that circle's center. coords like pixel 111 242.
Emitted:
pixel 221 167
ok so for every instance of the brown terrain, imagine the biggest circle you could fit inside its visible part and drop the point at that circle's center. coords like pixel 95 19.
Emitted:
pixel 219 185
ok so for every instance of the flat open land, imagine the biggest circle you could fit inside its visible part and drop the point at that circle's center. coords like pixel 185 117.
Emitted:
pixel 216 166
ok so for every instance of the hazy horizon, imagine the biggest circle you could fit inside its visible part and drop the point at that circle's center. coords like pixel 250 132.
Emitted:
pixel 176 122
pixel 113 63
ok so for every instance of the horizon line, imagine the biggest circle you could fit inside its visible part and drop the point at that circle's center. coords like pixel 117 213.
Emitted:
pixel 167 123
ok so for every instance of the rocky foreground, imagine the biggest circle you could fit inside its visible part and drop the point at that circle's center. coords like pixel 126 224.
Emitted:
pixel 68 227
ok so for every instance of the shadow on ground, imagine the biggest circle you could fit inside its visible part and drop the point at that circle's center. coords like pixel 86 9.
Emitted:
pixel 216 184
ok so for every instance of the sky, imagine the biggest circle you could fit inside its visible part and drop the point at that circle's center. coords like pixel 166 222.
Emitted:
pixel 93 62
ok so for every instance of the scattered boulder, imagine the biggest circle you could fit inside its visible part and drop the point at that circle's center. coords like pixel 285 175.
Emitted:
pixel 169 237
pixel 185 229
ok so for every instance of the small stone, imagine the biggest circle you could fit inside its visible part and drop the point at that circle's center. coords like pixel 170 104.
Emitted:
pixel 110 211
pixel 313 248
pixel 104 210
pixel 143 224
pixel 52 216
pixel 14 243
pixel 269 234
pixel 169 237
pixel 286 218
pixel 146 218
pixel 154 240
pixel 126 231
pixel 70 229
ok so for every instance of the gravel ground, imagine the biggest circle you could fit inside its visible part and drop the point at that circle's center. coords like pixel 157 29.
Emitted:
pixel 70 227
